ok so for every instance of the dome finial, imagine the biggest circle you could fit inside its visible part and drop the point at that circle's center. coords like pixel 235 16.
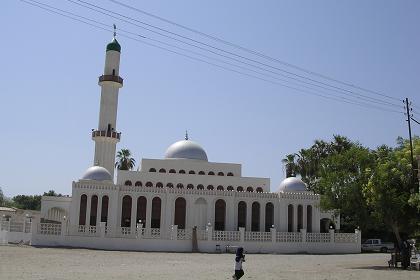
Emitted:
pixel 186 134
pixel 115 30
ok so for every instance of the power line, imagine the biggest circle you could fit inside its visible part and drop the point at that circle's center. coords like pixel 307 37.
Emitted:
pixel 330 87
pixel 342 99
pixel 252 51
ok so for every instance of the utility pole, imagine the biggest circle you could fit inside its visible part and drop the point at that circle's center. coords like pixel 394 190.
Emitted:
pixel 407 107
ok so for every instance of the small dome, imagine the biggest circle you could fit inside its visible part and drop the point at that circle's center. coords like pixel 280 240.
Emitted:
pixel 97 173
pixel 292 184
pixel 113 46
pixel 186 149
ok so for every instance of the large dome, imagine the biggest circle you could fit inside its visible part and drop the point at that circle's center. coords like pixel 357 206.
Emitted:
pixel 186 149
pixel 97 173
pixel 292 184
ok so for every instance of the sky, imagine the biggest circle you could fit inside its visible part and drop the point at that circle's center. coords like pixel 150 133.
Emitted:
pixel 50 97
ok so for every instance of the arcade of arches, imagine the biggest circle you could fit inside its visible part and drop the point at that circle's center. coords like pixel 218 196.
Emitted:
pixel 98 207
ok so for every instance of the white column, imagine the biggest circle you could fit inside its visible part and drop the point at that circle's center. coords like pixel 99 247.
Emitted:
pixel 88 205
pixel 262 217
pixel 248 216
pixel 304 216
pixel 119 211
pixel 273 235
pixel 148 214
pixel 99 211
pixel 295 217
pixel 303 232
pixel 133 222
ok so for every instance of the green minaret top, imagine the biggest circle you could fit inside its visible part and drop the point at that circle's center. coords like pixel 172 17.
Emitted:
pixel 113 46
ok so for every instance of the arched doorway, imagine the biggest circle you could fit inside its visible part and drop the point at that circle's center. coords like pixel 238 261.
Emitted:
pixel 141 210
pixel 180 212
pixel 104 210
pixel 290 222
pixel 300 217
pixel 309 218
pixel 242 214
pixel 82 210
pixel 93 210
pixel 200 215
pixel 126 211
pixel 255 219
pixel 156 209
pixel 269 216
pixel 219 214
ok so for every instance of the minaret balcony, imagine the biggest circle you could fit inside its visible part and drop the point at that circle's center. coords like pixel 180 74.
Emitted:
pixel 111 78
pixel 106 133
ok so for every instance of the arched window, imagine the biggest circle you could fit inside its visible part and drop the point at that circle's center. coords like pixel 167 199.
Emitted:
pixel 241 214
pixel 93 210
pixel 240 189
pixel 290 222
pixel 104 210
pixel 190 186
pixel 179 186
pixel 126 211
pixel 181 171
pixel 230 188
pixel 300 217
pixel 200 187
pixel 269 216
pixel 156 208
pixel 219 214
pixel 149 184
pixel 259 189
pixel 152 170
pixel 255 217
pixel 230 174
pixel 180 212
pixel 220 188
pixel 169 185
pixel 191 172
pixel 249 189
pixel 172 171
pixel 159 185
pixel 201 173
pixel 82 210
pixel 141 210
pixel 309 218
pixel 162 170
pixel 138 184
pixel 211 173
pixel 128 183
pixel 210 187
pixel 220 174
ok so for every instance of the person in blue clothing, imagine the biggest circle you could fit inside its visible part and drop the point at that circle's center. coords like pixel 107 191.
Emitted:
pixel 239 259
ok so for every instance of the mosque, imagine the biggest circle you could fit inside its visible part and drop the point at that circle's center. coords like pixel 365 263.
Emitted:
pixel 181 202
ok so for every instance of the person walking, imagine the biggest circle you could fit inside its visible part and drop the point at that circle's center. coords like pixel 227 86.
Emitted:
pixel 239 259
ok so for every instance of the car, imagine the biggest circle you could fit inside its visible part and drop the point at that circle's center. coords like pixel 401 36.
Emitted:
pixel 376 245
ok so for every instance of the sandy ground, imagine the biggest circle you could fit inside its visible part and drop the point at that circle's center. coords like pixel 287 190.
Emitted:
pixel 25 262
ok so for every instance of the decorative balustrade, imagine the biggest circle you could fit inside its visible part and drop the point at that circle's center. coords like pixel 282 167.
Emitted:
pixel 288 237
pixel 49 229
pixel 345 238
pixel 16 227
pixel 219 235
pixel 153 233
pixel 184 234
pixel 106 133
pixel 125 231
pixel 257 236
pixel 318 237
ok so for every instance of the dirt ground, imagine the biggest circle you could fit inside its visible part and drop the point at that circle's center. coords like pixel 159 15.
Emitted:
pixel 25 262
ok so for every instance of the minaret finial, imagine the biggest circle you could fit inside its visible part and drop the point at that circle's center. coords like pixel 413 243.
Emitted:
pixel 186 134
pixel 115 30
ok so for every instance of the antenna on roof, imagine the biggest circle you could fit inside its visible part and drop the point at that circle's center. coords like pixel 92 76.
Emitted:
pixel 186 134
pixel 115 30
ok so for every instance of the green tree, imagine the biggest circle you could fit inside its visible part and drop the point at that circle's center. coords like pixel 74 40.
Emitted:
pixel 30 202
pixel 124 160
pixel 290 165
pixel 1 197
pixel 390 188
pixel 52 193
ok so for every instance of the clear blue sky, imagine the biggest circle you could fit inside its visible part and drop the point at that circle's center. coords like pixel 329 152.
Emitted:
pixel 50 97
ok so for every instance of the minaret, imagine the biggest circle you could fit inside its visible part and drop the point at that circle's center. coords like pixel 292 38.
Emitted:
pixel 106 136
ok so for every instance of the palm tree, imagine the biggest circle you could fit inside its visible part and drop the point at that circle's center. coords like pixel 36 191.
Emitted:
pixel 290 165
pixel 124 160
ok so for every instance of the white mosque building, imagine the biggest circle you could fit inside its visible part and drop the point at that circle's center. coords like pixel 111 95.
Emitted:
pixel 182 202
